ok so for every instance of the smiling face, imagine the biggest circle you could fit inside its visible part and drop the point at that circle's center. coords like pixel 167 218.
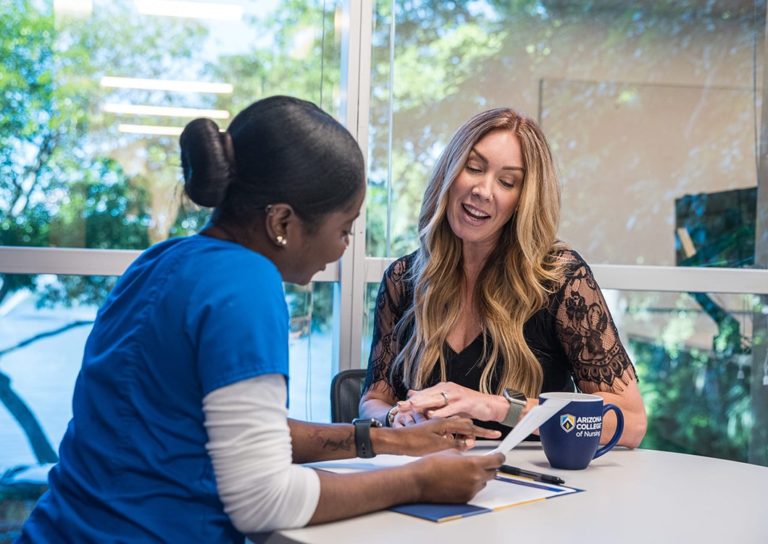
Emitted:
pixel 484 196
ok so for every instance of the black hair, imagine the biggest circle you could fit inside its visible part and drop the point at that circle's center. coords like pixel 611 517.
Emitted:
pixel 278 149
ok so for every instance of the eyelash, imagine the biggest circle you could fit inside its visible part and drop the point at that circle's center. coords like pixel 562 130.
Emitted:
pixel 506 184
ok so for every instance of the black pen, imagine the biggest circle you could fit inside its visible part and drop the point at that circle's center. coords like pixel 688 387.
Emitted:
pixel 538 476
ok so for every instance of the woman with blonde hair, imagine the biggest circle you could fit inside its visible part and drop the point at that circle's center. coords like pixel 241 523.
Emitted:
pixel 493 309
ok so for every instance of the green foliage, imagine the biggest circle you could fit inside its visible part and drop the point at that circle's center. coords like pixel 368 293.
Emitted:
pixel 101 209
pixel 61 180
pixel 402 241
pixel 697 402
pixel 190 218
pixel 310 307
pixel 302 59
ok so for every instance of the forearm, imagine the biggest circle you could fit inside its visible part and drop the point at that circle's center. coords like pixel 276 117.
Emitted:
pixel 347 495
pixel 376 408
pixel 634 420
pixel 321 442
pixel 324 442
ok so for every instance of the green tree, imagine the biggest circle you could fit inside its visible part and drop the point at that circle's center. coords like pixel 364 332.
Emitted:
pixel 61 182
pixel 301 58
pixel 58 149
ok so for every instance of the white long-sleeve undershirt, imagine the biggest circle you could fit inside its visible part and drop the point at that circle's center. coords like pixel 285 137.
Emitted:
pixel 250 446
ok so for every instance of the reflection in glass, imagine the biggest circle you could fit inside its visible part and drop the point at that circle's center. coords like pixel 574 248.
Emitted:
pixel 631 151
pixel 94 100
pixel 311 350
pixel 369 307
pixel 643 102
pixel 696 385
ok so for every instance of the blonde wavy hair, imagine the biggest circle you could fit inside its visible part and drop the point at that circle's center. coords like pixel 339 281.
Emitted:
pixel 515 282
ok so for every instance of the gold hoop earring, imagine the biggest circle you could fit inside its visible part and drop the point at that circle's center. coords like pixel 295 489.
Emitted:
pixel 281 240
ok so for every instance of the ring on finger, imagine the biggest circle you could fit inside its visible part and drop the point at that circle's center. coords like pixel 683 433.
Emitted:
pixel 445 397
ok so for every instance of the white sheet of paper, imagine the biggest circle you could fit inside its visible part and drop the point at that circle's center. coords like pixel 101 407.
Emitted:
pixel 532 421
pixel 498 493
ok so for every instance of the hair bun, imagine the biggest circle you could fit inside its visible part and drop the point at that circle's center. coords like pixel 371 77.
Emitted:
pixel 208 162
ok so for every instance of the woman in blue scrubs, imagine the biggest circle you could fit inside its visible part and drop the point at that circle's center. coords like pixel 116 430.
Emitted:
pixel 180 430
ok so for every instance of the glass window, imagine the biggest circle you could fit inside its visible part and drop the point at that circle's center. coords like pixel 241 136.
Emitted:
pixel 94 96
pixel 693 353
pixel 651 109
pixel 312 362
pixel 43 333
pixel 694 358
pixel 95 93
pixel 371 291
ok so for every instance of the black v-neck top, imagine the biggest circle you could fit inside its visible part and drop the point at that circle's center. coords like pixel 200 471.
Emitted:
pixel 573 337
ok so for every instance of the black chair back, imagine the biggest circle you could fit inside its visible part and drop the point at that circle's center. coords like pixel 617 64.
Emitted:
pixel 346 389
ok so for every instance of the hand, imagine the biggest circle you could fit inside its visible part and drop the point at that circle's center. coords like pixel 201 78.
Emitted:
pixel 408 418
pixel 448 399
pixel 527 408
pixel 438 434
pixel 454 478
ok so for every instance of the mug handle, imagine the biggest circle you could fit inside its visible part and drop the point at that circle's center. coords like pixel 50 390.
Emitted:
pixel 616 435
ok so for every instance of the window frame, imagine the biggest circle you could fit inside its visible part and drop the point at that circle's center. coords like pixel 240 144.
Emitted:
pixel 356 269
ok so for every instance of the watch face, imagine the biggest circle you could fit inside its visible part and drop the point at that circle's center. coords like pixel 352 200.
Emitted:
pixel 513 395
pixel 370 422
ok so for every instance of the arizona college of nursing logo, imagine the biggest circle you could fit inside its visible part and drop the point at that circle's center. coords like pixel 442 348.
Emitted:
pixel 567 422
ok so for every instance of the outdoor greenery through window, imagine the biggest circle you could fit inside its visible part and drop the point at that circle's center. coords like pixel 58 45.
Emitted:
pixel 695 373
pixel 643 102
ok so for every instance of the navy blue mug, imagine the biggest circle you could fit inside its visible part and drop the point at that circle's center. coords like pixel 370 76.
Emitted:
pixel 571 437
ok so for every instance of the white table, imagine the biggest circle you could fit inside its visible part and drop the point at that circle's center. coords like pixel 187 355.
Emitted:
pixel 631 496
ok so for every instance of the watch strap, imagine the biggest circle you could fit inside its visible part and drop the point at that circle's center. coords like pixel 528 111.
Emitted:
pixel 513 414
pixel 363 444
pixel 517 402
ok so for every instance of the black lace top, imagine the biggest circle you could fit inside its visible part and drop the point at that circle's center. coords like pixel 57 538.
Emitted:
pixel 573 337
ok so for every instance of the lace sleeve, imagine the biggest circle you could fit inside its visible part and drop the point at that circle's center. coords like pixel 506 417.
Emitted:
pixel 391 303
pixel 587 333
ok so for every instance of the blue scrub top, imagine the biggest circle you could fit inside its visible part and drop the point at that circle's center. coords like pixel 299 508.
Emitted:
pixel 190 315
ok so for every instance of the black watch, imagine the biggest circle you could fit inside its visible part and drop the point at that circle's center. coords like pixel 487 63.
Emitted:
pixel 363 436
pixel 517 402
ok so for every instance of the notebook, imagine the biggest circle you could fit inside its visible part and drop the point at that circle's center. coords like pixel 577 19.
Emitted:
pixel 504 491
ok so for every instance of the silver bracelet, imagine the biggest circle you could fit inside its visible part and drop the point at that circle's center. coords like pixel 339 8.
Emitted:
pixel 517 402
pixel 513 414
pixel 390 417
